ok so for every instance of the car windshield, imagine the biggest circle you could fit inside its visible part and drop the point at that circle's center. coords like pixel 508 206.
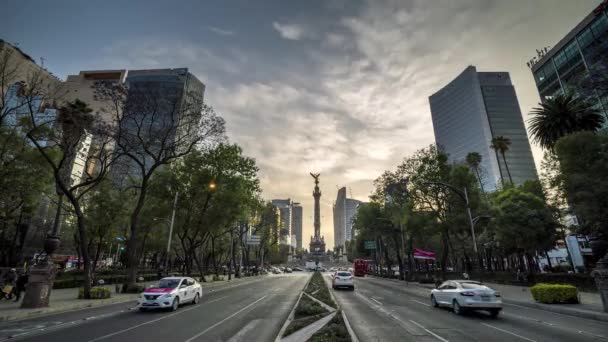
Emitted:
pixel 344 274
pixel 168 283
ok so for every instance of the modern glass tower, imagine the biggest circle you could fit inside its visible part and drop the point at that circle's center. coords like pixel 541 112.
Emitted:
pixel 578 62
pixel 471 110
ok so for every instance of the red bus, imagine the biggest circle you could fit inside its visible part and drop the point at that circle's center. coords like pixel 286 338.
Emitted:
pixel 362 266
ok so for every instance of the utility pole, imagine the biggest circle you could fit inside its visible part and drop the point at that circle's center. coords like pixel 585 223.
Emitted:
pixel 171 232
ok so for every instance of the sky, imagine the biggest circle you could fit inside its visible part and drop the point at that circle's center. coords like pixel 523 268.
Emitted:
pixel 336 87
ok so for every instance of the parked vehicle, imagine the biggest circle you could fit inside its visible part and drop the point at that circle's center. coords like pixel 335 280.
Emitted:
pixel 343 279
pixel 361 267
pixel 465 295
pixel 288 270
pixel 170 293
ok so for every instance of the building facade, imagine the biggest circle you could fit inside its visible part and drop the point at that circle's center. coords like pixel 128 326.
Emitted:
pixel 296 225
pixel 345 210
pixel 473 109
pixel 161 105
pixel 285 210
pixel 578 62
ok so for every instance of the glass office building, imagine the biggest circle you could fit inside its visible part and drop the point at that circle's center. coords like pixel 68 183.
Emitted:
pixel 473 109
pixel 578 63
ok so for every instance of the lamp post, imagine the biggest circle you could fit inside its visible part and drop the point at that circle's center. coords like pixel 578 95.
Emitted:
pixel 171 222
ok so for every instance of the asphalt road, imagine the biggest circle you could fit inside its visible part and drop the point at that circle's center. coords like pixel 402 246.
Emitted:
pixel 381 310
pixel 247 311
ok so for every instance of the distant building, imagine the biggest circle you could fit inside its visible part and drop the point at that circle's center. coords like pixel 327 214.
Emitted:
pixel 471 110
pixel 285 210
pixel 578 62
pixel 345 210
pixel 296 224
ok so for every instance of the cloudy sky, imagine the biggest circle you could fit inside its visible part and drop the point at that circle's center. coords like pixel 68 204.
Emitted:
pixel 337 87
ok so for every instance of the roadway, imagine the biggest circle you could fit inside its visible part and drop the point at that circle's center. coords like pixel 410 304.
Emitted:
pixel 252 310
pixel 383 310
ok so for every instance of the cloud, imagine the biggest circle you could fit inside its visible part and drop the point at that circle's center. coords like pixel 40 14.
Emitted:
pixel 289 31
pixel 221 32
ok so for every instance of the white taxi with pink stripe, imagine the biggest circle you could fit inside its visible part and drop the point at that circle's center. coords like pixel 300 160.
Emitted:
pixel 170 293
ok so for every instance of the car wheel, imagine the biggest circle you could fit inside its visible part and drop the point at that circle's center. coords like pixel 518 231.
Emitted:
pixel 494 313
pixel 457 308
pixel 434 302
pixel 334 287
pixel 196 299
pixel 175 304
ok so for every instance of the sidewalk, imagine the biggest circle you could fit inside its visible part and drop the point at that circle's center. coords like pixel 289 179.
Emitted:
pixel 590 306
pixel 67 300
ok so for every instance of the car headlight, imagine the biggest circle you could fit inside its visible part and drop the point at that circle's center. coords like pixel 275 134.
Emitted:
pixel 168 295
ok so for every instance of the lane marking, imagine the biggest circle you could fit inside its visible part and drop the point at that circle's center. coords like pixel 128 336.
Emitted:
pixel 224 320
pixel 430 332
pixel 419 302
pixel 374 299
pixel 240 336
pixel 508 332
pixel 593 335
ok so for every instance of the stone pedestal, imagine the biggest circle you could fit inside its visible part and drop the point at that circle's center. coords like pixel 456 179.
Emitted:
pixel 40 284
pixel 600 275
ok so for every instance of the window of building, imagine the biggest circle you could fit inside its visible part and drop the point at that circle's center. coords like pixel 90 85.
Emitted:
pixel 585 38
pixel 599 26
pixel 560 58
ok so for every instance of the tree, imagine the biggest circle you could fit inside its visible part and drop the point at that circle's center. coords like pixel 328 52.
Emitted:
pixel 60 146
pixel 501 145
pixel 473 160
pixel 583 164
pixel 562 115
pixel 524 224
pixel 157 124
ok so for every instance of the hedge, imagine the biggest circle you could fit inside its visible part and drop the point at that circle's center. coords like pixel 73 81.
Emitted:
pixel 319 288
pixel 334 331
pixel 554 293
pixel 96 293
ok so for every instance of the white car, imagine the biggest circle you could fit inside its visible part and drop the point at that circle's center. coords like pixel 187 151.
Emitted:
pixel 464 295
pixel 170 293
pixel 343 279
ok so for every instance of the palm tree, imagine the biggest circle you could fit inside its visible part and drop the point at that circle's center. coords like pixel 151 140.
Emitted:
pixel 501 145
pixel 473 159
pixel 560 116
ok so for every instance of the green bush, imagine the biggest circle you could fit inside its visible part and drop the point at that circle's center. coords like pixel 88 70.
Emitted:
pixel 554 293
pixel 308 307
pixel 318 286
pixel 96 293
pixel 334 331
pixel 217 278
pixel 135 288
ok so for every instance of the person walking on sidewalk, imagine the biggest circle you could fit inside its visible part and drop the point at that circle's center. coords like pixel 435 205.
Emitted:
pixel 10 279
pixel 20 285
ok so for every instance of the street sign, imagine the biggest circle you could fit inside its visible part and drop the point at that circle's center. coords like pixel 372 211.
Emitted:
pixel 369 244
pixel 253 240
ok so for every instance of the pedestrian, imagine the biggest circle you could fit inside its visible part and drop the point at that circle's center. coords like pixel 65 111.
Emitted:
pixel 20 285
pixel 10 279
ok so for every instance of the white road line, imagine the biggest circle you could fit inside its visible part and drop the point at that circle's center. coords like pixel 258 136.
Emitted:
pixel 593 335
pixel 374 299
pixel 224 320
pixel 508 332
pixel 430 332
pixel 419 302
pixel 240 336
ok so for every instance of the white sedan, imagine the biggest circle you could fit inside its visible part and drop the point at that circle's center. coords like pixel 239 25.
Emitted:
pixel 170 294
pixel 343 279
pixel 464 295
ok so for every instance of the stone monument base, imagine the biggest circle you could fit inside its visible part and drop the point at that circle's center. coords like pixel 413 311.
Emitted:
pixel 40 284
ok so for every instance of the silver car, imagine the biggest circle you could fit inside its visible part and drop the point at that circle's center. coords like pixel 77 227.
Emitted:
pixel 465 295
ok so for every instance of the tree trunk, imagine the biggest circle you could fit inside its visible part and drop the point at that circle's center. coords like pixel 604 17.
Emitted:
pixel 507 167
pixel 134 232
pixel 97 253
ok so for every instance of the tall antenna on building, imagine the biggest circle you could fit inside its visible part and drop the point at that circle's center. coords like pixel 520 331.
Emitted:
pixel 350 191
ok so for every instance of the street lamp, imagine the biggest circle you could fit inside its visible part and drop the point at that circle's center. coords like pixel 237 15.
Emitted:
pixel 170 230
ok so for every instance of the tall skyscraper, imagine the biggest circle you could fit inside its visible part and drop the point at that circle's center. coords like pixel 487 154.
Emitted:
pixel 345 210
pixel 578 62
pixel 296 224
pixel 162 106
pixel 473 109
pixel 284 206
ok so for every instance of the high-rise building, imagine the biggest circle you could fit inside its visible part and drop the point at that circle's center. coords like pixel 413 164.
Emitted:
pixel 285 210
pixel 473 109
pixel 296 224
pixel 162 106
pixel 578 62
pixel 345 210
